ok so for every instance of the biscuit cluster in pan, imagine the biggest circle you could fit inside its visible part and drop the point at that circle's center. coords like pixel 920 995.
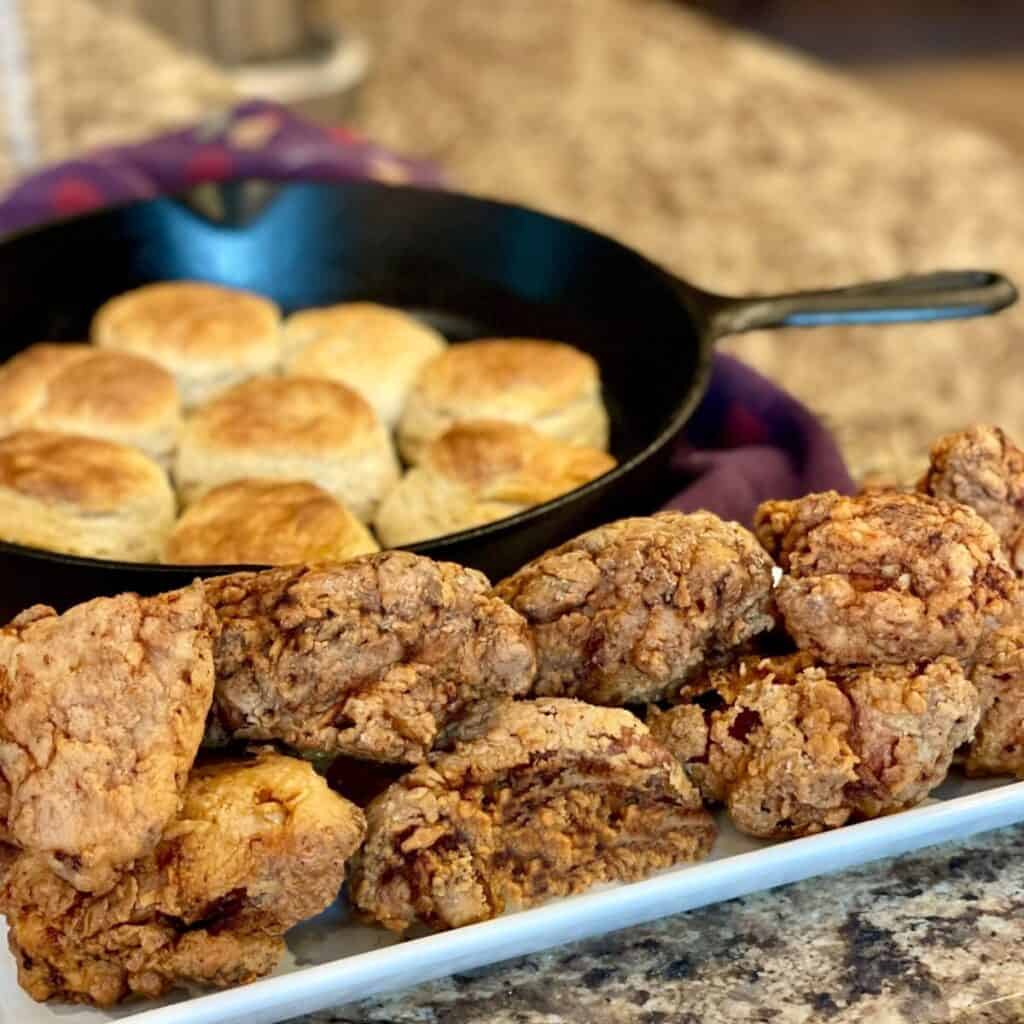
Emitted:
pixel 212 431
pixel 491 748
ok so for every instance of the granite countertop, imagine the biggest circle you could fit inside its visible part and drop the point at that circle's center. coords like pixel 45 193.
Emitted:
pixel 745 169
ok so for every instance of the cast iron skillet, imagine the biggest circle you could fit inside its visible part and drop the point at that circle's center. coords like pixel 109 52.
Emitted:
pixel 473 267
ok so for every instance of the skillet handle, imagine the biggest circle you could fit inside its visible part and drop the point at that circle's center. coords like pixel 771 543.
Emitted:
pixel 943 295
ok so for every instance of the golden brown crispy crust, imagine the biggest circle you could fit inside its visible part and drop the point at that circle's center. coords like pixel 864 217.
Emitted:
pixel 777 752
pixel 548 373
pixel 885 577
pixel 112 387
pixel 283 414
pixel 25 377
pixel 537 799
pixel 259 846
pixel 982 468
pixel 481 471
pixel 84 472
pixel 551 386
pixel 513 462
pixel 371 657
pixel 794 748
pixel 377 351
pixel 181 320
pixel 626 612
pixel 907 726
pixel 102 711
pixel 998 673
pixel 266 522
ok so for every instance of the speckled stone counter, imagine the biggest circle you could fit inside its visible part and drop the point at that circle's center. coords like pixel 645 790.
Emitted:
pixel 930 937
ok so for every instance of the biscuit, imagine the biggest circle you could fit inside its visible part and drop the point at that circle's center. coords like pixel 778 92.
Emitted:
pixel 479 472
pixel 551 387
pixel 289 428
pixel 376 351
pixel 75 389
pixel 266 522
pixel 25 377
pixel 83 496
pixel 208 336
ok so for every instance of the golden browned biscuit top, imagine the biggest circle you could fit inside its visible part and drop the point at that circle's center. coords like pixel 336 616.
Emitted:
pixel 97 476
pixel 112 387
pixel 267 522
pixel 186 318
pixel 25 377
pixel 513 462
pixel 364 330
pixel 552 372
pixel 285 414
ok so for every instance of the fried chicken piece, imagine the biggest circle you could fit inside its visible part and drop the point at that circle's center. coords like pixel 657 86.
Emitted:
pixel 371 657
pixel 885 577
pixel 794 748
pixel 998 675
pixel 536 799
pixel 626 612
pixel 982 468
pixel 908 723
pixel 776 753
pixel 102 711
pixel 259 846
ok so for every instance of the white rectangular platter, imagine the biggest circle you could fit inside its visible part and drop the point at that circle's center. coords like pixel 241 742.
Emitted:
pixel 332 961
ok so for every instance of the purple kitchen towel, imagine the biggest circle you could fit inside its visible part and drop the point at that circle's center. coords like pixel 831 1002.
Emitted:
pixel 257 139
pixel 748 441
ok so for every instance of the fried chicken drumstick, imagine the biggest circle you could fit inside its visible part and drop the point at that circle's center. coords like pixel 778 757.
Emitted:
pixel 792 748
pixel 370 658
pixel 885 577
pixel 259 846
pixel 102 711
pixel 537 799
pixel 626 612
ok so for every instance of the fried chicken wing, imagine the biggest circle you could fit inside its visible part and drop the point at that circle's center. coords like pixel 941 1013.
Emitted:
pixel 794 748
pixel 536 799
pixel 259 846
pixel 885 577
pixel 982 468
pixel 102 711
pixel 626 612
pixel 371 657
pixel 998 673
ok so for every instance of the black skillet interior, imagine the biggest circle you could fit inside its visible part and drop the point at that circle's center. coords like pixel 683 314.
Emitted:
pixel 473 267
